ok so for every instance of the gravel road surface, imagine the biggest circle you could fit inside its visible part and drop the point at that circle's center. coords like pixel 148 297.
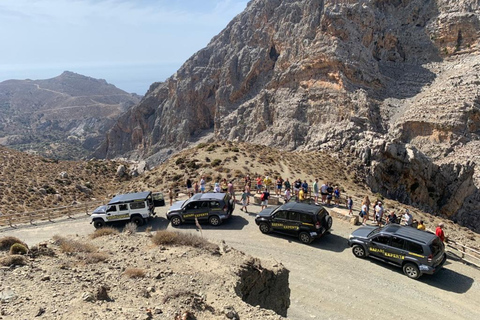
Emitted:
pixel 326 280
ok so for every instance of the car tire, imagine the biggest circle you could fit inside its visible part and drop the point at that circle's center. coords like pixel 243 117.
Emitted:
pixel 264 227
pixel 214 221
pixel 359 251
pixel 328 222
pixel 305 237
pixel 411 270
pixel 138 221
pixel 176 221
pixel 98 223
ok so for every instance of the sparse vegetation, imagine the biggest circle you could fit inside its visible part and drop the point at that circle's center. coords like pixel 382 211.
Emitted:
pixel 164 237
pixel 73 246
pixel 130 228
pixel 7 242
pixel 13 260
pixel 18 248
pixel 134 273
pixel 102 232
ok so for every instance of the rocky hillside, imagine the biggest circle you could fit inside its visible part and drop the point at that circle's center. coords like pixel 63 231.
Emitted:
pixel 113 275
pixel 65 117
pixel 391 82
pixel 30 182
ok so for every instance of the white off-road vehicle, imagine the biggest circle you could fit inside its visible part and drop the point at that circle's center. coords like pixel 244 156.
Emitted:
pixel 134 207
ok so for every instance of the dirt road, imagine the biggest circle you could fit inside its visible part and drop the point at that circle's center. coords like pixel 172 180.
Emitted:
pixel 326 280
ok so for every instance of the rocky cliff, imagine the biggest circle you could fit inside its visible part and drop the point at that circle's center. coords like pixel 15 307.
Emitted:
pixel 383 80
pixel 64 117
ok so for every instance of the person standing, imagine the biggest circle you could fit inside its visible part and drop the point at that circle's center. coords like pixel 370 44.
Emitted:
pixel 350 205
pixel 196 187
pixel 315 189
pixel 245 196
pixel 287 184
pixel 247 190
pixel 363 214
pixel 171 196
pixel 224 185
pixel 407 218
pixel 264 198
pixel 336 196
pixel 288 195
pixel 202 184
pixel 379 214
pixel 267 182
pixel 231 190
pixel 324 192
pixel 259 184
pixel 296 186
pixel 189 187
pixel 439 231
pixel 366 201
pixel 278 191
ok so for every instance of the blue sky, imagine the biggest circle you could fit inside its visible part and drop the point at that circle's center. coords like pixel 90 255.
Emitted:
pixel 129 43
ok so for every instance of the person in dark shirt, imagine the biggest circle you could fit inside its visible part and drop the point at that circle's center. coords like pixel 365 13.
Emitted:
pixel 265 196
pixel 392 218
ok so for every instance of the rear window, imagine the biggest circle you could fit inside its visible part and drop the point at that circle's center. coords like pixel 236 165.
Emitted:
pixel 436 246
pixel 214 204
pixel 137 205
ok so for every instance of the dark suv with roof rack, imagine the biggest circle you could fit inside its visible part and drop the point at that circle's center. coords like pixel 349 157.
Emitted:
pixel 417 252
pixel 301 220
pixel 211 207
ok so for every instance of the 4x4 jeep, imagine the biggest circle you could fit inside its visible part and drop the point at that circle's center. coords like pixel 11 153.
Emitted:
pixel 134 207
pixel 211 207
pixel 417 252
pixel 302 220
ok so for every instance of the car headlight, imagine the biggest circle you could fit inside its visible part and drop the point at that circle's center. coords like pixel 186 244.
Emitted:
pixel 257 216
pixel 350 237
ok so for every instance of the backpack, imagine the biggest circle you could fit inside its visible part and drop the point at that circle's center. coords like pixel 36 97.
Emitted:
pixel 262 197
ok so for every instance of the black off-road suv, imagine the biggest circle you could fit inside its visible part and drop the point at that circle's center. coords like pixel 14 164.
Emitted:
pixel 211 207
pixel 417 252
pixel 301 220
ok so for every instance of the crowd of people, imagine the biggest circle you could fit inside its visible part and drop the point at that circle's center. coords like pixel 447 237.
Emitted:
pixel 299 190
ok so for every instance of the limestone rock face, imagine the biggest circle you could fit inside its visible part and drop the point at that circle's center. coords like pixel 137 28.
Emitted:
pixel 392 81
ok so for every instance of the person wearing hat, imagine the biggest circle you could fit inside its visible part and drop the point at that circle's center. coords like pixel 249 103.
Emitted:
pixel 439 231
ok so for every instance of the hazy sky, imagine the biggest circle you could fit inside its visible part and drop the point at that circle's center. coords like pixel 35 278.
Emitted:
pixel 129 43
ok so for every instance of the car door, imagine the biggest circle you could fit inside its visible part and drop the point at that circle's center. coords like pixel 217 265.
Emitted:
pixel 112 213
pixel 279 221
pixel 192 210
pixel 158 199
pixel 378 246
pixel 292 225
pixel 395 252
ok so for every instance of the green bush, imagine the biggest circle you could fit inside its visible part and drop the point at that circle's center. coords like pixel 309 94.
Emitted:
pixel 18 248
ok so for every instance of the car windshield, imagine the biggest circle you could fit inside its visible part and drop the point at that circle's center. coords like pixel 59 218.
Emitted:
pixel 374 232
pixel 195 197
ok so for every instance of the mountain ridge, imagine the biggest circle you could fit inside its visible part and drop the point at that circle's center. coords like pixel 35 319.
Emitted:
pixel 64 117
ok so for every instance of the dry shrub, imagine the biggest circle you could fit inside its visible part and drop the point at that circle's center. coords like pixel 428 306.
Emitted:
pixel 13 260
pixel 71 246
pixel 164 237
pixel 18 248
pixel 96 257
pixel 37 251
pixel 7 242
pixel 106 231
pixel 130 228
pixel 134 273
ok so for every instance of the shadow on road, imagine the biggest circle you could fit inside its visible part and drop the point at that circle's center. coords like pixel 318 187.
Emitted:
pixel 449 280
pixel 331 242
pixel 445 279
pixel 234 223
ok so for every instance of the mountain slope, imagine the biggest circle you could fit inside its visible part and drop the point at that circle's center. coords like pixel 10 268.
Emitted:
pixel 65 117
pixel 378 79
